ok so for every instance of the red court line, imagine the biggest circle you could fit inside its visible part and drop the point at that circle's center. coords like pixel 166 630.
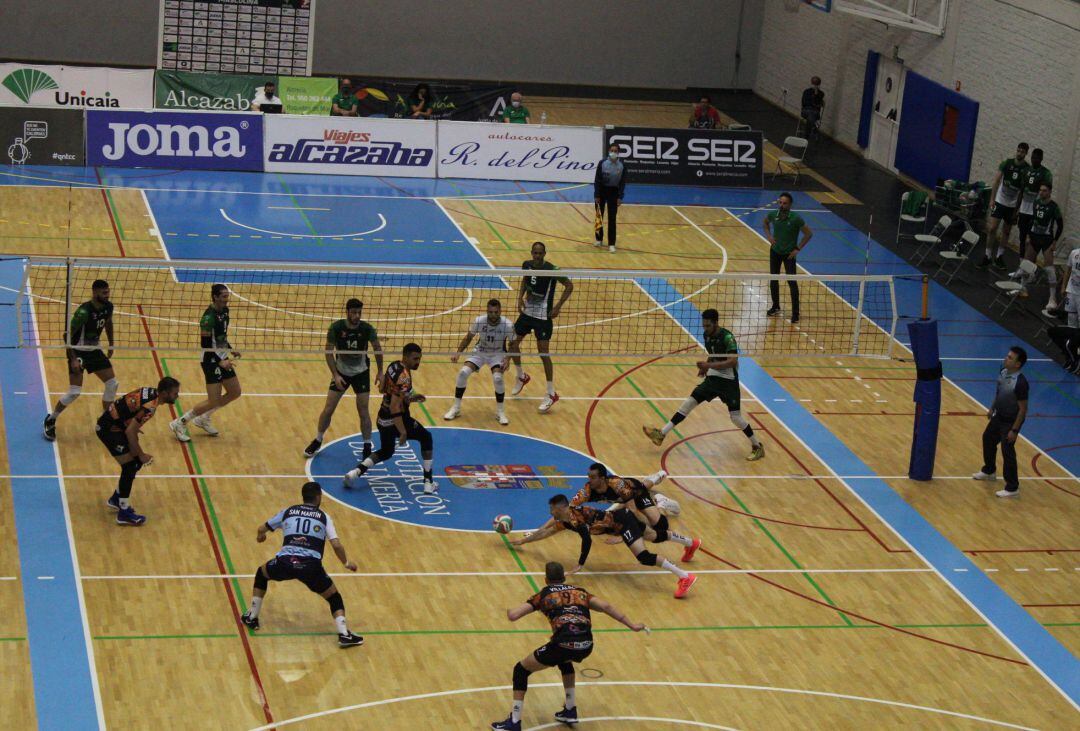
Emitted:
pixel 109 213
pixel 213 541
pixel 1035 466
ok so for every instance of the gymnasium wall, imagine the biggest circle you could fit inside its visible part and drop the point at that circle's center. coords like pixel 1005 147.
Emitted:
pixel 1017 58
pixel 630 43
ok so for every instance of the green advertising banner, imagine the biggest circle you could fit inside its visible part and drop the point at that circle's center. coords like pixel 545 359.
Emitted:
pixel 230 92
pixel 303 95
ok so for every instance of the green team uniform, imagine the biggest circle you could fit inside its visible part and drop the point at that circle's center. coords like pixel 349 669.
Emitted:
pixel 1008 193
pixel 352 366
pixel 1046 224
pixel 785 230
pixel 345 102
pixel 721 383
pixel 87 324
pixel 217 324
pixel 517 115
pixel 1033 179
pixel 539 301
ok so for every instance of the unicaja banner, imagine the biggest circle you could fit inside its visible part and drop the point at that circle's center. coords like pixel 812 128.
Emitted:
pixel 350 146
pixel 184 140
pixel 226 92
pixel 519 152
pixel 80 87
pixel 690 156
pixel 41 136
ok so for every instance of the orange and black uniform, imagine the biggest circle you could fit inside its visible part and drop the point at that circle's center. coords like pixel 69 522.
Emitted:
pixel 616 490
pixel 138 405
pixel 567 609
pixel 398 381
pixel 587 522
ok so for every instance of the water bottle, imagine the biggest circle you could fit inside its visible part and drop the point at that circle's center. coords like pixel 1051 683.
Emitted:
pixel 543 117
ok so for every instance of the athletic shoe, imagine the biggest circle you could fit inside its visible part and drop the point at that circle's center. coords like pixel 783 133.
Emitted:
pixel 598 244
pixel 657 477
pixel 312 449
pixel 772 311
pixel 113 503
pixel 689 551
pixel 453 413
pixel 252 623
pixel 611 249
pixel 985 262
pixel 502 417
pixel 999 262
pixel 567 716
pixel 506 725
pixel 203 422
pixel 654 434
pixel 349 640
pixel 519 384
pixel 756 453
pixel 1008 493
pixel 684 586
pixel 980 475
pixel 794 318
pixel 48 429
pixel 179 430
pixel 547 403
pixel 430 488
pixel 128 516
pixel 1015 275
pixel 353 474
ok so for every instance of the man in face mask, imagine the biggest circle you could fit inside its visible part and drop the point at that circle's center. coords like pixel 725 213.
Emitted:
pixel 608 187
pixel 517 112
pixel 345 103
pixel 813 104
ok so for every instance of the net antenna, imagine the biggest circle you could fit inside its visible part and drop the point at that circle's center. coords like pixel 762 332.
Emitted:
pixel 288 308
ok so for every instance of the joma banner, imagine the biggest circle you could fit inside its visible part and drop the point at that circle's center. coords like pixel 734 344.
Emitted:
pixel 185 140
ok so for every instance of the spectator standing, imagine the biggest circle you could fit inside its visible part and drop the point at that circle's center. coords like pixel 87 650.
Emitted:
pixel 782 229
pixel 1005 417
pixel 420 102
pixel 813 105
pixel 608 188
pixel 266 96
pixel 704 114
pixel 517 112
pixel 345 103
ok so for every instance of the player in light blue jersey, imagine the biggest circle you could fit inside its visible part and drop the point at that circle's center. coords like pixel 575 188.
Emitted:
pixel 306 530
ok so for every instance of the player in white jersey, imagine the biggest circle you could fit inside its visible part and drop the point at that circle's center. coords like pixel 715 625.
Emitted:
pixel 492 331
pixel 1070 288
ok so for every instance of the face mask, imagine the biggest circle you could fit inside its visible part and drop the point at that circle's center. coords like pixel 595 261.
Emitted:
pixel 515 104
pixel 613 156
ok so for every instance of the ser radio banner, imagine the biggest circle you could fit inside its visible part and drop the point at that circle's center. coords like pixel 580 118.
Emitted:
pixel 690 156
pixel 519 151
pixel 184 140
pixel 41 136
pixel 350 146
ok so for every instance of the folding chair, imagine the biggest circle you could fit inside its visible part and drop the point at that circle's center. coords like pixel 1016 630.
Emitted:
pixel 739 127
pixel 1009 290
pixel 917 217
pixel 964 248
pixel 929 242
pixel 792 146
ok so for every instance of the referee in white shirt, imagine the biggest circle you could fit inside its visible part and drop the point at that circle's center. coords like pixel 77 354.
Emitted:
pixel 266 96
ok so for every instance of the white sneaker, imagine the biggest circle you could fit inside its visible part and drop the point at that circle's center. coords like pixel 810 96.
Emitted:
pixel 611 249
pixel 1008 493
pixel 980 475
pixel 203 422
pixel 350 477
pixel 453 413
pixel 502 417
pixel 598 244
pixel 667 505
pixel 657 477
pixel 430 488
pixel 519 383
pixel 179 430
pixel 548 402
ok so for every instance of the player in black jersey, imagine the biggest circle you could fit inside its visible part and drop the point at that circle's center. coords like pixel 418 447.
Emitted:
pixel 306 530
pixel 217 365
pixel 567 608
pixel 118 429
pixel 396 426
pixel 85 355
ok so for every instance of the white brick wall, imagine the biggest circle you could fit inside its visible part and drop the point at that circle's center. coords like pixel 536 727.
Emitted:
pixel 1022 68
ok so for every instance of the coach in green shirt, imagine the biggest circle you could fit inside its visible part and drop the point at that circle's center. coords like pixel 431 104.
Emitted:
pixel 345 103
pixel 517 112
pixel 782 228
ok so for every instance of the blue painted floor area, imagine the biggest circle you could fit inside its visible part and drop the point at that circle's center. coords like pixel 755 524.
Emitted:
pixel 64 684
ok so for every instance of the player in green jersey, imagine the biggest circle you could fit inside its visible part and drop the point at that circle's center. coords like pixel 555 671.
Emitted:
pixel 721 380
pixel 1008 184
pixel 347 342
pixel 85 355
pixel 1047 225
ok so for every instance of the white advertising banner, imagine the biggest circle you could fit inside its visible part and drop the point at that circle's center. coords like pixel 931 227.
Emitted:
pixel 84 87
pixel 519 151
pixel 349 146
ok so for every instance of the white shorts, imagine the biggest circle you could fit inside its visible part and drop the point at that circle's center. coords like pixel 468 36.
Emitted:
pixel 480 359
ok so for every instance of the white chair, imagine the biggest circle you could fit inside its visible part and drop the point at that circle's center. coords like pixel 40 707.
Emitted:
pixel 795 147
pixel 929 242
pixel 906 218
pixel 969 240
pixel 739 127
pixel 1010 290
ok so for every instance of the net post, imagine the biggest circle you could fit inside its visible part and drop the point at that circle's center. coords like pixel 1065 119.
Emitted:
pixel 69 264
pixel 925 297
pixel 858 317
pixel 895 318
pixel 20 298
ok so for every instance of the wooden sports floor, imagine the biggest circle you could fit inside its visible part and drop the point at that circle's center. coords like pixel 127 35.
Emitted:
pixel 810 610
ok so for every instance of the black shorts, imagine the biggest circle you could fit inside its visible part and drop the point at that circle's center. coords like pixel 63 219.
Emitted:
pixel 1005 213
pixel 725 389
pixel 388 437
pixel 93 361
pixel 526 324
pixel 360 383
pixel 308 571
pixel 1023 223
pixel 554 653
pixel 642 497
pixel 214 373
pixel 115 441
pixel 1041 242
pixel 631 528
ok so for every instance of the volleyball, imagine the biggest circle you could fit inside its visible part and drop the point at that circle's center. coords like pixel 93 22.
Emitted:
pixel 503 524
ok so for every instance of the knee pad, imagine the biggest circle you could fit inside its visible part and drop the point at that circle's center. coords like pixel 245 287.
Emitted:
pixel 497 379
pixel 72 394
pixel 130 468
pixel 463 376
pixel 661 529
pixel 566 668
pixel 111 386
pixel 337 604
pixel 647 559
pixel 738 420
pixel 521 677
pixel 261 582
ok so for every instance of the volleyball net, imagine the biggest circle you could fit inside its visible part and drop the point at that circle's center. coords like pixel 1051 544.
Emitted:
pixel 278 307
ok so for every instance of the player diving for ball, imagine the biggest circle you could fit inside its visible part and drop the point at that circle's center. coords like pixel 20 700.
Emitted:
pixel 586 522
pixel 721 380
pixel 492 331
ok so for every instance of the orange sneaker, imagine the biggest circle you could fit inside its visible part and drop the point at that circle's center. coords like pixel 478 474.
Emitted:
pixel 689 551
pixel 684 586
